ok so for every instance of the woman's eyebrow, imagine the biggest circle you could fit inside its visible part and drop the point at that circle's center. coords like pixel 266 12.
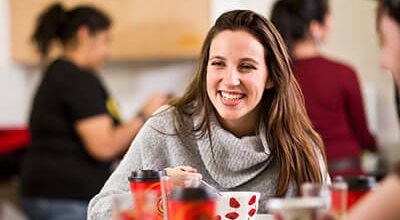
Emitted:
pixel 249 59
pixel 217 57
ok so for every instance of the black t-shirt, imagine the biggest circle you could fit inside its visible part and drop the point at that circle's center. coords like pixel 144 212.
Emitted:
pixel 57 164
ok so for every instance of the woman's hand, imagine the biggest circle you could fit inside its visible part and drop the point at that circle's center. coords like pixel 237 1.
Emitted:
pixel 182 171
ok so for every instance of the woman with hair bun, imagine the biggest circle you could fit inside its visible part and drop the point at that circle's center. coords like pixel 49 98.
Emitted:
pixel 76 130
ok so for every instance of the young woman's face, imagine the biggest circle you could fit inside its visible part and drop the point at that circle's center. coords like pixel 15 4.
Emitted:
pixel 236 75
pixel 390 33
pixel 99 48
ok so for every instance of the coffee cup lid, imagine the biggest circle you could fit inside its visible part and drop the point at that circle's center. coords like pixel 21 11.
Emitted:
pixel 357 182
pixel 146 175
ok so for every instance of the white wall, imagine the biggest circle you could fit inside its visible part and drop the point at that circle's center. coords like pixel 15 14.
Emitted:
pixel 13 79
pixel 353 40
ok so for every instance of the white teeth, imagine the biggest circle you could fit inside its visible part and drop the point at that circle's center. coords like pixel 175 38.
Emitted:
pixel 231 96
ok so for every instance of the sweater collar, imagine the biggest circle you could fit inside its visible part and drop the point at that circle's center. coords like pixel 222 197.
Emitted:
pixel 233 161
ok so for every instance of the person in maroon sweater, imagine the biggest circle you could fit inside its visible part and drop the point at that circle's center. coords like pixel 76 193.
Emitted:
pixel 331 89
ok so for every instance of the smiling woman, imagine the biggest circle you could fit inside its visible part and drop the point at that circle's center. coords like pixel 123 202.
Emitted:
pixel 241 122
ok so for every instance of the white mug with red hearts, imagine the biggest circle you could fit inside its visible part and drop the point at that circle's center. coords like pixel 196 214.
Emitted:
pixel 237 205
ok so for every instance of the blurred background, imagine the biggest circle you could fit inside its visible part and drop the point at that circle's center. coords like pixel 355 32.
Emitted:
pixel 154 48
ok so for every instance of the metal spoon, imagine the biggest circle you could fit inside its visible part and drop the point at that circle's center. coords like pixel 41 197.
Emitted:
pixel 211 187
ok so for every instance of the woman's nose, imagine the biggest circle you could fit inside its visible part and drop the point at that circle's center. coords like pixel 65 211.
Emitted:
pixel 231 78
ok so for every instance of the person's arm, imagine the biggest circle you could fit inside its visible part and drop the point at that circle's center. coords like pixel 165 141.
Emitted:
pixel 356 111
pixel 104 141
pixel 83 98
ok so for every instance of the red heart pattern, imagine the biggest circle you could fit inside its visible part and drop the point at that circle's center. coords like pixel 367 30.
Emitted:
pixel 252 200
pixel 234 203
pixel 232 215
pixel 252 212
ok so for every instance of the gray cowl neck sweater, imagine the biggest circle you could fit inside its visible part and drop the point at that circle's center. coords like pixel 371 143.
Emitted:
pixel 241 164
pixel 236 160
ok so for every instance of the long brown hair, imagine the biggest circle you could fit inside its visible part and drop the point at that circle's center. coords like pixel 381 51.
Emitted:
pixel 288 129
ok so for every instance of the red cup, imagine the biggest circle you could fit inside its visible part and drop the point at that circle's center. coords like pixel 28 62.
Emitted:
pixel 142 181
pixel 339 198
pixel 358 187
pixel 126 215
pixel 170 183
pixel 191 204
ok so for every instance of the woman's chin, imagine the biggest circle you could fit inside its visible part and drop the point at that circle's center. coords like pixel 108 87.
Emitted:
pixel 230 116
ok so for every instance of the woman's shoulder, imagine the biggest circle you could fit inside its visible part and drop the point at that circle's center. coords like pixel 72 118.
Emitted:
pixel 165 112
pixel 161 129
pixel 67 75
pixel 62 68
pixel 337 65
pixel 163 119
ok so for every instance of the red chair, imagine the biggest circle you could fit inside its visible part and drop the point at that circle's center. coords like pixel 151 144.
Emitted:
pixel 13 143
pixel 13 139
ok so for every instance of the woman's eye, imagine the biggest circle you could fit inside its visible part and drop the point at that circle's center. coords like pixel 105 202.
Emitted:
pixel 218 63
pixel 247 67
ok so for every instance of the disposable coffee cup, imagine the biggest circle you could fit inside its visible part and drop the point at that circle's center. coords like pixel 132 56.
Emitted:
pixel 142 181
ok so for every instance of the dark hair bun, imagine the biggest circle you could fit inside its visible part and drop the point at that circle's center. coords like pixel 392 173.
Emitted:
pixel 48 27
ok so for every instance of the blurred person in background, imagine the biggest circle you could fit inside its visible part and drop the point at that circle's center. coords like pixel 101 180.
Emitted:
pixel 388 21
pixel 384 201
pixel 331 89
pixel 75 127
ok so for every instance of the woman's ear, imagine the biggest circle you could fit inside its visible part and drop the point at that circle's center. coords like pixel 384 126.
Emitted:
pixel 315 31
pixel 83 35
pixel 320 31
